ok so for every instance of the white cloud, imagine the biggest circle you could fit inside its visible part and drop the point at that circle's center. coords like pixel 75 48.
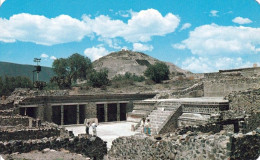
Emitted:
pixel 258 1
pixel 44 55
pixel 1 2
pixel 53 58
pixel 95 53
pixel 140 28
pixel 124 13
pixel 185 26
pixel 214 13
pixel 41 30
pixel 214 40
pixel 112 43
pixel 179 46
pixel 241 20
pixel 213 64
pixel 142 47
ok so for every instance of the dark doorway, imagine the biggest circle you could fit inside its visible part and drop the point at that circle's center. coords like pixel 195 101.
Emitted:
pixel 29 111
pixel 112 112
pixel 56 115
pixel 81 114
pixel 100 113
pixel 123 111
pixel 70 114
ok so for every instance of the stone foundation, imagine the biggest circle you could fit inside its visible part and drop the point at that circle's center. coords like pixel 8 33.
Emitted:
pixel 28 134
pixel 187 147
pixel 92 147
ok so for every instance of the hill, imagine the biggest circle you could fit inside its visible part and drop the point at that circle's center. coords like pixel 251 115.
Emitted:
pixel 128 61
pixel 13 69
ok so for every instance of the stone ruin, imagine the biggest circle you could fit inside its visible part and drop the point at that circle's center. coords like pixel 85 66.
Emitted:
pixel 21 134
pixel 225 106
pixel 216 118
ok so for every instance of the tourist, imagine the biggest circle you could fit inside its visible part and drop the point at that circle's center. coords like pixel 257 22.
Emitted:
pixel 87 128
pixel 94 129
pixel 142 125
pixel 148 127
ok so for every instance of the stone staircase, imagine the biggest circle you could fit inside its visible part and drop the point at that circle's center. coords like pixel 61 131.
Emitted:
pixel 160 116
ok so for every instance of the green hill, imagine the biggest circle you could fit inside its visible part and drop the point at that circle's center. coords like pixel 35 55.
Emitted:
pixel 13 69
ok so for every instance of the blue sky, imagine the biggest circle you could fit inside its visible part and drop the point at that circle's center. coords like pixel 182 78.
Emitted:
pixel 200 36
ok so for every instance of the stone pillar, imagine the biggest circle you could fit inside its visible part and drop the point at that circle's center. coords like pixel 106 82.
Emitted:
pixel 62 115
pixel 77 113
pixel 105 112
pixel 118 111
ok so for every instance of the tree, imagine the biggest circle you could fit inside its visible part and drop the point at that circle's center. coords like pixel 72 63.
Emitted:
pixel 70 69
pixel 79 65
pixel 99 78
pixel 157 72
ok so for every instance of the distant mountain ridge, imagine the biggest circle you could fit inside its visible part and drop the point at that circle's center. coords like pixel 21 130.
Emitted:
pixel 129 61
pixel 13 69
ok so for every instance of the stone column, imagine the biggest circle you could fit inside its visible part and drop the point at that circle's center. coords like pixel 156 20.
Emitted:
pixel 62 115
pixel 105 112
pixel 118 111
pixel 77 113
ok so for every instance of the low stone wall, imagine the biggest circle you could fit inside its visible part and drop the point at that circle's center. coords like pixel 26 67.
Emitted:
pixel 92 147
pixel 214 128
pixel 6 112
pixel 246 146
pixel 194 91
pixel 18 120
pixel 187 147
pixel 245 104
pixel 14 120
pixel 28 134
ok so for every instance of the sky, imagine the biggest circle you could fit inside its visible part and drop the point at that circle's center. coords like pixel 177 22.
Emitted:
pixel 200 36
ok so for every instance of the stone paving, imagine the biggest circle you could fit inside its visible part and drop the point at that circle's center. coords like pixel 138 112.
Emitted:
pixel 106 131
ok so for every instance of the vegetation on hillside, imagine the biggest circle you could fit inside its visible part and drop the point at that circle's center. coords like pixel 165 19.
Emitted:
pixel 8 84
pixel 99 78
pixel 157 72
pixel 14 70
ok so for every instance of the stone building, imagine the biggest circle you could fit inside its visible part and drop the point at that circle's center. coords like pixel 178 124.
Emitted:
pixel 73 109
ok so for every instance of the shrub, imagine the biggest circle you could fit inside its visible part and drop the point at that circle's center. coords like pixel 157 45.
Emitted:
pixel 157 72
pixel 128 76
pixel 99 78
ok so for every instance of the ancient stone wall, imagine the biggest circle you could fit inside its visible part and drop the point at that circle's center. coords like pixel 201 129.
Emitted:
pixel 219 87
pixel 186 147
pixel 16 120
pixel 195 90
pixel 212 127
pixel 92 147
pixel 246 146
pixel 28 134
pixel 245 104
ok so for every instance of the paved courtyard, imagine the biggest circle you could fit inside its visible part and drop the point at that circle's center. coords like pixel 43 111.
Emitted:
pixel 107 131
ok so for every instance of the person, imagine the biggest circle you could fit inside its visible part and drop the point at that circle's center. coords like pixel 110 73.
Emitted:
pixel 142 125
pixel 94 129
pixel 148 127
pixel 87 128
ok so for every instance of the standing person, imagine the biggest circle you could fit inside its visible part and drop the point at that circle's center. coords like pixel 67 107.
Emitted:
pixel 94 129
pixel 142 125
pixel 87 128
pixel 148 127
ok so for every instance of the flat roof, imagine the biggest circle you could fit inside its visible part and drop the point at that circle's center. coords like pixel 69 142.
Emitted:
pixel 192 100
